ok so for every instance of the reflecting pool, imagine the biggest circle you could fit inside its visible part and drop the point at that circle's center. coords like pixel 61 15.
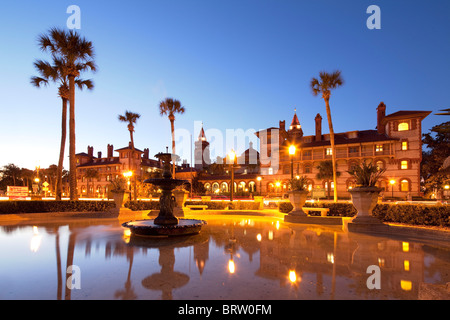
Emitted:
pixel 234 257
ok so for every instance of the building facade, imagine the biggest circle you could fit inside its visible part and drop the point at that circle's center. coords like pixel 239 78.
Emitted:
pixel 94 174
pixel 395 145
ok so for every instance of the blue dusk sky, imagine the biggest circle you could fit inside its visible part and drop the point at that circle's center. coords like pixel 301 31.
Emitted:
pixel 239 65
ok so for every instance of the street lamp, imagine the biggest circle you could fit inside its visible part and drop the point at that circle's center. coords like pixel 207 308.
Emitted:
pixel 128 175
pixel 292 153
pixel 392 182
pixel 259 179
pixel 278 184
pixel 232 157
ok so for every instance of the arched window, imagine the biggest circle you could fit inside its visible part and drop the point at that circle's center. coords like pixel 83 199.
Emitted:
pixel 252 186
pixel 224 187
pixel 270 187
pixel 403 126
pixel 215 187
pixel 208 187
pixel 404 185
pixel 380 164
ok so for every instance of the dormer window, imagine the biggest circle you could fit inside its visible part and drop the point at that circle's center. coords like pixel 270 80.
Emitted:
pixel 403 126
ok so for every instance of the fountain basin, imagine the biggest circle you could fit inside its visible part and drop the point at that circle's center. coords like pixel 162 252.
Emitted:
pixel 149 228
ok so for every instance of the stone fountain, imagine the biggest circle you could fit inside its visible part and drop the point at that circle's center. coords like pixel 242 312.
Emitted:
pixel 165 224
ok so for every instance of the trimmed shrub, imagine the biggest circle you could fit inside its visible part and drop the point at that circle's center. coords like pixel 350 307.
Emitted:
pixel 413 214
pixel 42 206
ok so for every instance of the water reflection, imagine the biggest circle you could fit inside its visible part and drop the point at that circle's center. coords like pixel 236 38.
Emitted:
pixel 232 258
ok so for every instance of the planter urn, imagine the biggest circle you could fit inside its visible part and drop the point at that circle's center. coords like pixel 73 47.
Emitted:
pixel 365 199
pixel 297 199
pixel 180 199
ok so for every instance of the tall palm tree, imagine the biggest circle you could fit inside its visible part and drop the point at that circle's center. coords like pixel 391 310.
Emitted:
pixel 324 85
pixel 131 118
pixel 76 56
pixel 169 107
pixel 326 173
pixel 57 73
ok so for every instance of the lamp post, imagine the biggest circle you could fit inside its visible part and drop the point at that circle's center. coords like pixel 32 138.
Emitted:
pixel 392 182
pixel 278 184
pixel 232 157
pixel 259 179
pixel 128 175
pixel 292 153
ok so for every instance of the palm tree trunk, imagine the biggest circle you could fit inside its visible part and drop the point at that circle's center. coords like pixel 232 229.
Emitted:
pixel 72 161
pixel 61 150
pixel 172 127
pixel 333 148
pixel 136 171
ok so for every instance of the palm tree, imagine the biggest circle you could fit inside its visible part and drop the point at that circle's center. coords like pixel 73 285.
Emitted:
pixel 131 118
pixel 57 73
pixel 76 55
pixel 326 173
pixel 90 174
pixel 169 107
pixel 324 85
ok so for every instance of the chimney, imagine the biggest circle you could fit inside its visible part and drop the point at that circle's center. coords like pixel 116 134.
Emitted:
pixel 110 150
pixel 318 127
pixel 99 154
pixel 381 113
pixel 90 151
pixel 145 156
pixel 283 125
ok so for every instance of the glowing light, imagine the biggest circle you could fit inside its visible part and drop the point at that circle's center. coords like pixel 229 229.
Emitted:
pixel 406 265
pixel 330 257
pixel 405 246
pixel 292 150
pixel 35 242
pixel 259 237
pixel 128 174
pixel 231 266
pixel 232 155
pixel 392 182
pixel 292 276
pixel 406 285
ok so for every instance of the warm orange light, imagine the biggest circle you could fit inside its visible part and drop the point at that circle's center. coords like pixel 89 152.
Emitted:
pixel 278 183
pixel 128 174
pixel 259 178
pixel 292 150
pixel 392 182
pixel 231 266
pixel 232 155
pixel 292 276
pixel 446 187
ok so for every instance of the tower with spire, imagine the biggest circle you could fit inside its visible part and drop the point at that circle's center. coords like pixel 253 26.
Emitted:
pixel 295 129
pixel 201 153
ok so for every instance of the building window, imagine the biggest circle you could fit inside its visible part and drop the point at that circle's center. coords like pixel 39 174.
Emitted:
pixel 404 185
pixel 380 164
pixel 403 126
pixel 404 164
pixel 404 145
pixel 270 170
pixel 329 151
pixel 379 148
pixel 307 169
pixel 353 150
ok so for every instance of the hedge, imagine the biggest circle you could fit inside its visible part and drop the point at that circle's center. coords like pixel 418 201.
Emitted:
pixel 413 214
pixel 37 206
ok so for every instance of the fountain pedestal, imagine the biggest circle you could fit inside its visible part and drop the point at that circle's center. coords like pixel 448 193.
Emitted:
pixel 165 223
